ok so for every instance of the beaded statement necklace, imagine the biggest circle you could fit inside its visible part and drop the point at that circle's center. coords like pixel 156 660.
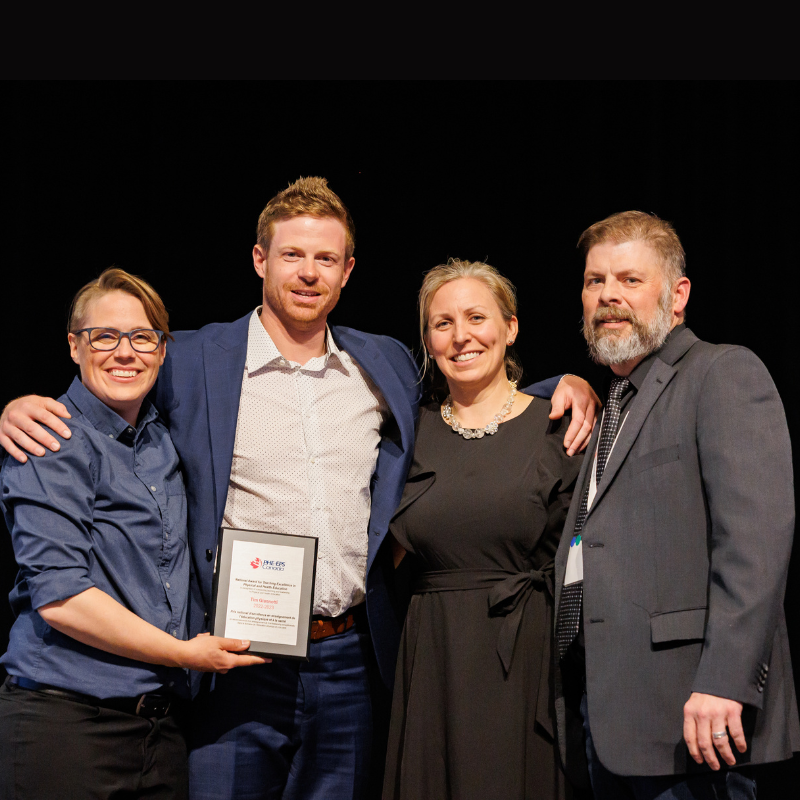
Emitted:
pixel 478 433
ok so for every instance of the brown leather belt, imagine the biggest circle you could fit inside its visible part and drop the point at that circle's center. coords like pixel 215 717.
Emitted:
pixel 322 627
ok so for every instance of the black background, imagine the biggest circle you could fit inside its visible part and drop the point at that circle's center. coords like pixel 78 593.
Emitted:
pixel 167 180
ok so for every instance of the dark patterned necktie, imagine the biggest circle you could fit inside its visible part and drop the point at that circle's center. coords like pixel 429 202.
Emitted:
pixel 569 606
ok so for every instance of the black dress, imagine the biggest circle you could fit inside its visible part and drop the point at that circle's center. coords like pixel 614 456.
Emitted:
pixel 472 709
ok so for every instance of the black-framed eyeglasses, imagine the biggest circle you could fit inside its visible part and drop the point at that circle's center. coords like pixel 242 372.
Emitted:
pixel 142 340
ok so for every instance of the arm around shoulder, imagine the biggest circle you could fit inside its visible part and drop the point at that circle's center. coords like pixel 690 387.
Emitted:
pixel 21 426
pixel 569 392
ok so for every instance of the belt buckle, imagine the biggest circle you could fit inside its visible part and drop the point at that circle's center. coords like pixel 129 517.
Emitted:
pixel 152 705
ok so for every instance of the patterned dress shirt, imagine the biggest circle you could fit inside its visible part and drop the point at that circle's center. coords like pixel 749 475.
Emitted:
pixel 306 446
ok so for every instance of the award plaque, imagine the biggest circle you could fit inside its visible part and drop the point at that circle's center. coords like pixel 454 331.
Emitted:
pixel 264 591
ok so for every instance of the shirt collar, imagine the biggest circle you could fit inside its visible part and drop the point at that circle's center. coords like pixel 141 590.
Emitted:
pixel 262 352
pixel 105 419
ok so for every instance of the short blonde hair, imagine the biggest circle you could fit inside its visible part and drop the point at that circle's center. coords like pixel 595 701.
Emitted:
pixel 115 279
pixel 502 290
pixel 638 226
pixel 305 197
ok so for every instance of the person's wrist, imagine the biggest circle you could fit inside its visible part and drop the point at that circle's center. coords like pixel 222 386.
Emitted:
pixel 178 653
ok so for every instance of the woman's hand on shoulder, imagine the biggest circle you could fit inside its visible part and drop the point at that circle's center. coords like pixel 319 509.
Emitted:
pixel 576 394
pixel 206 653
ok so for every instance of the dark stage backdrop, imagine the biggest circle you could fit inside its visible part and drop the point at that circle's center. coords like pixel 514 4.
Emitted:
pixel 167 181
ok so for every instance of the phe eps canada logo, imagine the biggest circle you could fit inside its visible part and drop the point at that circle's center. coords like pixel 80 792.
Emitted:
pixel 277 566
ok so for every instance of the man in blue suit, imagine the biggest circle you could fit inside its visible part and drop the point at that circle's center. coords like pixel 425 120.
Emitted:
pixel 286 424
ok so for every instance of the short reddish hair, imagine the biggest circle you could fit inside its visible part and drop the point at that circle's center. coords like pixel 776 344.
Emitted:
pixel 305 197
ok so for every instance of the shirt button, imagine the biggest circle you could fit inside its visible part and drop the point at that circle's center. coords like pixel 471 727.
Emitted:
pixel 110 435
pixel 167 585
pixel 153 489
pixel 313 460
pixel 175 634
pixel 129 431
pixel 166 535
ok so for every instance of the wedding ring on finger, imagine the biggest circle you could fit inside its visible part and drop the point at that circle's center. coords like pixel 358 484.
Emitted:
pixel 719 734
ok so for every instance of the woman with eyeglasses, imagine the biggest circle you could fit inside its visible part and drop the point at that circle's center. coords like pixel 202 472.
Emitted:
pixel 98 654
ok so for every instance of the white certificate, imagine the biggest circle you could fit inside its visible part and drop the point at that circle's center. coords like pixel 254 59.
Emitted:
pixel 264 587
pixel 264 592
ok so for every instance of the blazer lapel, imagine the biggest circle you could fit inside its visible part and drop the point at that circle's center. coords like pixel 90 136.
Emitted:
pixel 395 451
pixel 658 377
pixel 660 374
pixel 224 359
pixel 374 363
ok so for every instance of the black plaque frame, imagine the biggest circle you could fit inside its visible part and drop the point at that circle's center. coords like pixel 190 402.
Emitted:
pixel 222 576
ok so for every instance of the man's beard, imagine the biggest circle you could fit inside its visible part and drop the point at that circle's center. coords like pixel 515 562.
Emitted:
pixel 279 299
pixel 615 346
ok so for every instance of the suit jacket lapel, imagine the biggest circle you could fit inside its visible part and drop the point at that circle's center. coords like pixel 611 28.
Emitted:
pixel 660 374
pixel 395 452
pixel 224 359
pixel 658 377
pixel 374 363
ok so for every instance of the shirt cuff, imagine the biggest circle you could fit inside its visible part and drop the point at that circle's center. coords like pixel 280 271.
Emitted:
pixel 53 585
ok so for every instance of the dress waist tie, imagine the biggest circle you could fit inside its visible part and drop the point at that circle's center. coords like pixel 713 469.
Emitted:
pixel 509 593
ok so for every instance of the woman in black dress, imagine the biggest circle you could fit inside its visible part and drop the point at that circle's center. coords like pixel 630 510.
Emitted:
pixel 482 514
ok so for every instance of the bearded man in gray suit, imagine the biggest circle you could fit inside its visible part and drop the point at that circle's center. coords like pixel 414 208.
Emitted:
pixel 673 671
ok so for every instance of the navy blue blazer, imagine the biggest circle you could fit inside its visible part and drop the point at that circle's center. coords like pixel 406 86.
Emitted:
pixel 198 392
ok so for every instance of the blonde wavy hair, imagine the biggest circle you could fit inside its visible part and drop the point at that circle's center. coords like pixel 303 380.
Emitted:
pixel 115 279
pixel 502 290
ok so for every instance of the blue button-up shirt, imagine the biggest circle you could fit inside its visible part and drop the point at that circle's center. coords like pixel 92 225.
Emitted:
pixel 107 510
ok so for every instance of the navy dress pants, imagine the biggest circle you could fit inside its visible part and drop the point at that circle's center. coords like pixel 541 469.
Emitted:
pixel 290 729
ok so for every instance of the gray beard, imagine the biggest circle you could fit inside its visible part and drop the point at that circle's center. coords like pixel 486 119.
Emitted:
pixel 609 347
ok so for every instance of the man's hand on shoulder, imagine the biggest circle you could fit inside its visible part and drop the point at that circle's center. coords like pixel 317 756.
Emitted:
pixel 21 424
pixel 703 716
pixel 576 394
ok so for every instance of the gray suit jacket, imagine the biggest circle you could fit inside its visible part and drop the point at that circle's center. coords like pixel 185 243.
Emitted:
pixel 686 550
